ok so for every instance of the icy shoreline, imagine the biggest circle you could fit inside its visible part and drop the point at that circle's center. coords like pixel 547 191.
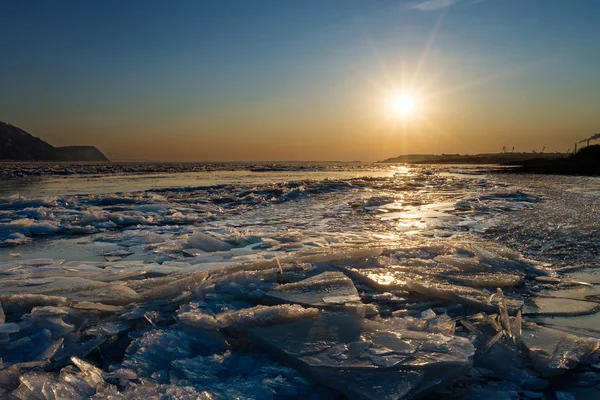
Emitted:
pixel 17 170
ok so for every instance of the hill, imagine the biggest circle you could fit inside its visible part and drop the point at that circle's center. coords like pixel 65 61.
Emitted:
pixel 18 145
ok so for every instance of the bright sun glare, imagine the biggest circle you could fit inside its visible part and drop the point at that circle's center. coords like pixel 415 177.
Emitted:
pixel 403 105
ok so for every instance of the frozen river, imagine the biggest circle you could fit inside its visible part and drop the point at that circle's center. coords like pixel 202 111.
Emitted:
pixel 297 281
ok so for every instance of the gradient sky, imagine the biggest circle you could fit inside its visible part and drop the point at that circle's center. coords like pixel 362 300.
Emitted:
pixel 300 79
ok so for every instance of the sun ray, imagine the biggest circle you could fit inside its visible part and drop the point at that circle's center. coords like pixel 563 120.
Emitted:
pixel 427 49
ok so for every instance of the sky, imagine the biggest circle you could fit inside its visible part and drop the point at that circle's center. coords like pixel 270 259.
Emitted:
pixel 301 79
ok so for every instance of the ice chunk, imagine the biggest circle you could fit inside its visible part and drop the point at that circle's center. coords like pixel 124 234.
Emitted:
pixel 24 302
pixel 465 264
pixel 16 239
pixel 587 325
pixel 503 311
pixel 57 326
pixel 496 351
pixel 108 293
pixel 117 254
pixel 203 242
pixel 466 296
pixel 559 307
pixel 77 349
pixel 59 390
pixel 108 328
pixel 553 352
pixel 88 305
pixel 92 374
pixel 517 329
pixel 437 324
pixel 365 359
pixel 122 375
pixel 47 312
pixel 9 328
pixel 587 293
pixel 564 396
pixel 198 318
pixel 49 352
pixel 264 315
pixel 202 369
pixel 154 208
pixel 147 354
pixel 489 280
pixel 9 377
pixel 327 290
pixel 168 287
pixel 33 385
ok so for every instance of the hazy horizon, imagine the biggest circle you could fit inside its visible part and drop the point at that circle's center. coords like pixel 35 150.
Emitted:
pixel 313 80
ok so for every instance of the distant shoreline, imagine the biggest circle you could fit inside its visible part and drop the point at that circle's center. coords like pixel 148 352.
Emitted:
pixel 483 158
pixel 586 162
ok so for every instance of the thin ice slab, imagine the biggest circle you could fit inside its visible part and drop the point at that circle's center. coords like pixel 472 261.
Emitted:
pixel 559 307
pixel 589 322
pixel 467 296
pixel 432 282
pixel 591 276
pixel 326 290
pixel 486 280
pixel 587 293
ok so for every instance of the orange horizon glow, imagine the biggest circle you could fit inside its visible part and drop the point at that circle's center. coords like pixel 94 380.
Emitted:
pixel 406 80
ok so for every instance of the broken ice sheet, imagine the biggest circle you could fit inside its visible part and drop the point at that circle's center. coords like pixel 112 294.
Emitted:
pixel 147 354
pixel 345 352
pixel 554 352
pixel 108 293
pixel 326 290
pixel 559 307
pixel 204 242
pixel 587 324
pixel 464 295
pixel 265 315
pixel 486 280
pixel 107 301
pixel 119 253
pixel 435 279
pixel 441 324
pixel 590 275
pixel 587 293
pixel 551 351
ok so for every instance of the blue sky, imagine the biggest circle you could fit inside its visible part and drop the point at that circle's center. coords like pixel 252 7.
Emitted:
pixel 197 80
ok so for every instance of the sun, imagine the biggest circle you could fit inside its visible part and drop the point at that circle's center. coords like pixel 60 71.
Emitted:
pixel 403 105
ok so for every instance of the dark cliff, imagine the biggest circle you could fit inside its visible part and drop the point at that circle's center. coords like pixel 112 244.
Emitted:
pixel 18 145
